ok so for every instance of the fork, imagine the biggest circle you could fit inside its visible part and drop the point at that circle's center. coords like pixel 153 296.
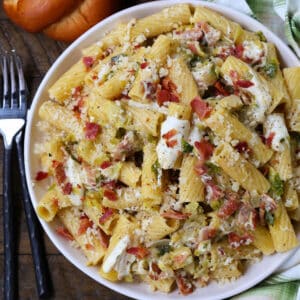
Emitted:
pixel 12 119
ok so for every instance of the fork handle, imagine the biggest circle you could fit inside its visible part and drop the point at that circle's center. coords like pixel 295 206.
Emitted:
pixel 43 279
pixel 10 254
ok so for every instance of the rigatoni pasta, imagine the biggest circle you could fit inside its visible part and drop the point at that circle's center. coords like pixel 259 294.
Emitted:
pixel 165 152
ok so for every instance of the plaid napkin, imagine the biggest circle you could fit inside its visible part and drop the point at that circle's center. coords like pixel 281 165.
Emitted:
pixel 283 18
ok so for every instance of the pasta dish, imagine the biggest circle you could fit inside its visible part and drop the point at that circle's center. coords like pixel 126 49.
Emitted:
pixel 170 151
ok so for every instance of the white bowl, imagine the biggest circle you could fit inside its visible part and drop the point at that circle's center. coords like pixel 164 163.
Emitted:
pixel 255 273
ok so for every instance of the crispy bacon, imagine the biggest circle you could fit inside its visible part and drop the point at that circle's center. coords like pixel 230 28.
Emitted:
pixel 173 214
pixel 41 175
pixel 205 149
pixel 59 172
pixel 207 233
pixel 169 85
pixel 194 34
pixel 144 64
pixel 140 252
pixel 67 188
pixel 91 130
pixel 84 224
pixel 105 165
pixel 155 271
pixel 247 217
pixel 214 192
pixel 235 240
pixel 200 168
pixel 268 203
pixel 110 194
pixel 269 139
pixel 242 147
pixel 244 83
pixel 180 258
pixel 103 238
pixel 172 143
pixel 76 92
pixel 112 184
pixel 201 108
pixel 89 247
pixel 62 231
pixel 220 88
pixel 184 285
pixel 107 213
pixel 229 207
pixel 239 50
pixel 169 134
pixel 88 61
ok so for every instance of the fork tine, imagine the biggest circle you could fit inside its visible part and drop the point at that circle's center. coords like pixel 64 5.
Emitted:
pixel 22 83
pixel 4 66
pixel 13 85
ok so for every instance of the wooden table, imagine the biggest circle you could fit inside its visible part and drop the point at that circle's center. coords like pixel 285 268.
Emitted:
pixel 38 54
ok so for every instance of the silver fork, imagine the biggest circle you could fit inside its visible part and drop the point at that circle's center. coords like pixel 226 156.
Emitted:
pixel 13 110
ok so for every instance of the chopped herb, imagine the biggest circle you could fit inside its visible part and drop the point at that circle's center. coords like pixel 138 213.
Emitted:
pixel 212 168
pixel 116 59
pixel 271 69
pixel 155 167
pixel 269 217
pixel 194 60
pixel 186 147
pixel 163 249
pixel 277 186
pixel 215 204
pixel 120 132
pixel 261 36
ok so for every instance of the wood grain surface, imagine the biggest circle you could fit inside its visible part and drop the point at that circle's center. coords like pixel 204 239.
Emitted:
pixel 38 53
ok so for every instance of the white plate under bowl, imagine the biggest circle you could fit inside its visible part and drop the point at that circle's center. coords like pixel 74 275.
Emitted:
pixel 255 273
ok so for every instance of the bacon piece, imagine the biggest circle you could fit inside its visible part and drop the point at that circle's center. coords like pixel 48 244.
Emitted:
pixel 244 83
pixel 88 61
pixel 268 203
pixel 184 285
pixel 242 147
pixel 200 168
pixel 169 134
pixel 181 258
pixel 239 50
pixel 236 241
pixel 76 92
pixel 207 233
pixel 155 271
pixel 67 188
pixel 229 207
pixel 269 139
pixel 214 192
pixel 162 96
pixel 169 85
pixel 247 217
pixel 62 231
pixel 140 252
pixel 89 247
pixel 41 175
pixel 59 172
pixel 173 214
pixel 205 149
pixel 220 88
pixel 171 144
pixel 91 130
pixel 144 64
pixel 110 194
pixel 194 34
pixel 84 224
pixel 105 165
pixel 103 238
pixel 127 146
pixel 201 108
pixel 107 213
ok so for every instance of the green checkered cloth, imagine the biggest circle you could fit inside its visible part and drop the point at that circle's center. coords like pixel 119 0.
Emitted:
pixel 283 18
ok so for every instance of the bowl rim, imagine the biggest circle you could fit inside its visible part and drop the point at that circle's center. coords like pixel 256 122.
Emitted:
pixel 290 59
